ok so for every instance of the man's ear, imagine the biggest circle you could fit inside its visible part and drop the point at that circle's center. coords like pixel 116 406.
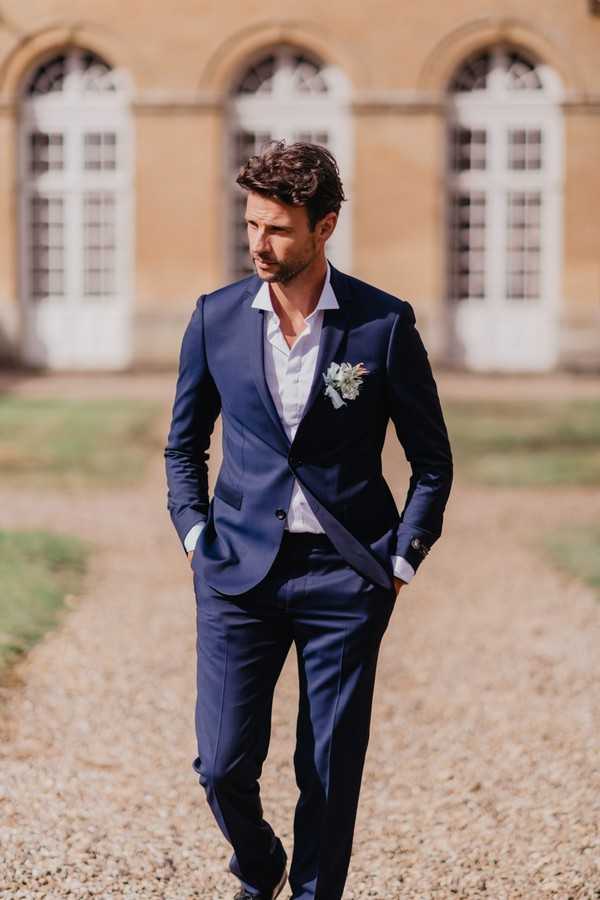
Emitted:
pixel 326 225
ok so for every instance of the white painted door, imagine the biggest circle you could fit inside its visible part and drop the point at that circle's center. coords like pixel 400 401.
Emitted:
pixel 76 215
pixel 504 223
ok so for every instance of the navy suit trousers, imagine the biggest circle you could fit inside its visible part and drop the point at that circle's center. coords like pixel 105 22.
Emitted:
pixel 335 617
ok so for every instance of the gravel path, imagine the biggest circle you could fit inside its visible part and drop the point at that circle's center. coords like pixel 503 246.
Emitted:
pixel 483 771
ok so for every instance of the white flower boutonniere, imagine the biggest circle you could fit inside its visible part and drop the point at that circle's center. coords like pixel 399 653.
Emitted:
pixel 343 380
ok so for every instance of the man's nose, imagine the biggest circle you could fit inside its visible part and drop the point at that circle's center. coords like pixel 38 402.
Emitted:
pixel 260 242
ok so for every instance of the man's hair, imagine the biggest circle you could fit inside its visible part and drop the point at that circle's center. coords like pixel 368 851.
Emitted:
pixel 300 174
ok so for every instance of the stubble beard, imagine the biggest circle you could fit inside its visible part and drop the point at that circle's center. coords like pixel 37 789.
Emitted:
pixel 287 271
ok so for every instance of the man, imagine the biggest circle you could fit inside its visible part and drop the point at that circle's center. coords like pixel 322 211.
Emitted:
pixel 302 541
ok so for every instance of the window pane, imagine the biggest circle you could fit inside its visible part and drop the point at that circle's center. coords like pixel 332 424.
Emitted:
pixel 99 243
pixel 467 245
pixel 468 149
pixel 307 77
pixel 49 77
pixel 517 73
pixel 247 144
pixel 523 244
pixel 46 246
pixel 100 151
pixel 259 78
pixel 521 73
pixel 46 152
pixel 524 149
pixel 473 74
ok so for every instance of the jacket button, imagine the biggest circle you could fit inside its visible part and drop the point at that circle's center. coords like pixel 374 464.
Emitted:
pixel 280 513
pixel 294 461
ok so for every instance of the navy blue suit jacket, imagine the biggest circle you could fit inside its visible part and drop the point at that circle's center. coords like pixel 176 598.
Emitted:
pixel 335 454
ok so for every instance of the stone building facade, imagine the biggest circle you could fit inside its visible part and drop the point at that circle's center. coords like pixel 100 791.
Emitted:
pixel 468 136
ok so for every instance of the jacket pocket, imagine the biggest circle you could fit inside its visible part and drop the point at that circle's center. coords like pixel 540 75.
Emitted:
pixel 228 493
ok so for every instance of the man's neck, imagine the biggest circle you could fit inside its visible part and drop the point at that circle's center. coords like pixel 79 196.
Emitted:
pixel 300 296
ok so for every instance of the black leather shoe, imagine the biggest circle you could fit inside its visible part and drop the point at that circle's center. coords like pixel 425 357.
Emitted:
pixel 243 894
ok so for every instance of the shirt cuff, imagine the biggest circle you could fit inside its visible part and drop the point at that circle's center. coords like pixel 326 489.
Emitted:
pixel 192 536
pixel 402 568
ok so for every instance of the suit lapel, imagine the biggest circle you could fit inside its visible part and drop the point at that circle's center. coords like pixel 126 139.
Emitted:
pixel 256 361
pixel 335 326
pixel 334 329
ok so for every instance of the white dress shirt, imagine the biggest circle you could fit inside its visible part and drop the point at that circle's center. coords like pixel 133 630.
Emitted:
pixel 289 373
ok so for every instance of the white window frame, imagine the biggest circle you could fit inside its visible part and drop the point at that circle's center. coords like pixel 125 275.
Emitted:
pixel 497 109
pixel 74 330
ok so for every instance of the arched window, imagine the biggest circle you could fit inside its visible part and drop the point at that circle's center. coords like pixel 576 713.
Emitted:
pixel 287 94
pixel 504 173
pixel 75 183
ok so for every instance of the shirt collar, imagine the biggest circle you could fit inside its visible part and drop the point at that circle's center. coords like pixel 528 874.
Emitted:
pixel 327 300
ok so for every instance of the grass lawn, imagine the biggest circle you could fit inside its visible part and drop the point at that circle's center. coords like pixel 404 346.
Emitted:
pixel 38 570
pixel 61 441
pixel 526 443
pixel 578 552
pixel 535 444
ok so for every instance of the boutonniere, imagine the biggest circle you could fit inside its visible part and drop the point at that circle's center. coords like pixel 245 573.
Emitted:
pixel 343 380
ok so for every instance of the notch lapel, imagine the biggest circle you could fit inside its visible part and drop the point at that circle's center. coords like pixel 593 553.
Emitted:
pixel 335 326
pixel 334 329
pixel 256 361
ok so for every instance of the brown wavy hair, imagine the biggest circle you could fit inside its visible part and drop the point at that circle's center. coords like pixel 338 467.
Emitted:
pixel 300 174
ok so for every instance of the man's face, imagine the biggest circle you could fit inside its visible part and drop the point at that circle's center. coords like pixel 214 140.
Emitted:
pixel 280 241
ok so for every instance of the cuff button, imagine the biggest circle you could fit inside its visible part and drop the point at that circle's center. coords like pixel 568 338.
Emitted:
pixel 417 544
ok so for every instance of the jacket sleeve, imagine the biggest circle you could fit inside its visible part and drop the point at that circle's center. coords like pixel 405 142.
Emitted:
pixel 417 415
pixel 195 409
